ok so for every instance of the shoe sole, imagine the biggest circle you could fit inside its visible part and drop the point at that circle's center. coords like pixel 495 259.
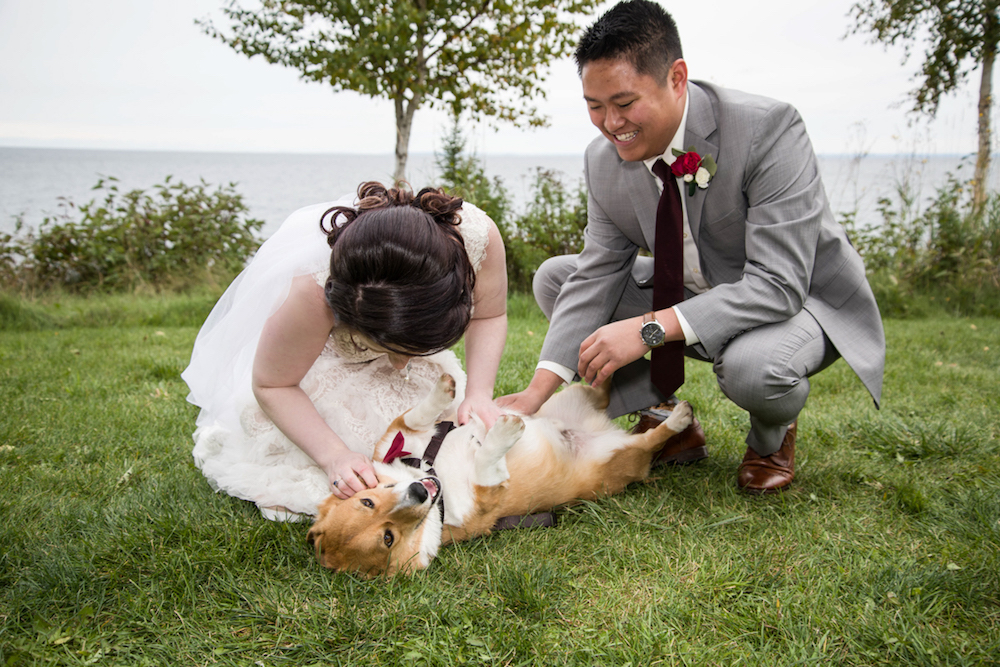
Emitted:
pixel 687 457
pixel 764 492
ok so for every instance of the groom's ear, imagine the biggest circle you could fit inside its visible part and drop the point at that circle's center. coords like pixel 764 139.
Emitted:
pixel 678 77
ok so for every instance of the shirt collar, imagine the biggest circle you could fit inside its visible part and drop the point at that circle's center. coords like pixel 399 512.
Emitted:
pixel 677 141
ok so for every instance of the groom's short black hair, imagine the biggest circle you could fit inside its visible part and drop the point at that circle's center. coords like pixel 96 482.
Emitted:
pixel 639 31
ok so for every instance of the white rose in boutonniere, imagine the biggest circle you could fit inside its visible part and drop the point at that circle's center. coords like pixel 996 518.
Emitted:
pixel 695 170
pixel 702 177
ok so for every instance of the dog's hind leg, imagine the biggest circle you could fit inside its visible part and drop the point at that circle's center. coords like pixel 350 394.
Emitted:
pixel 598 397
pixel 631 462
pixel 602 394
pixel 680 418
pixel 491 457
pixel 425 413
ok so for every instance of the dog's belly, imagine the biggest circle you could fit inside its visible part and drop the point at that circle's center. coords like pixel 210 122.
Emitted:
pixel 551 437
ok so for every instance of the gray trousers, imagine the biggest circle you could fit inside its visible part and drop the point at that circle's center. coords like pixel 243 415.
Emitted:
pixel 765 370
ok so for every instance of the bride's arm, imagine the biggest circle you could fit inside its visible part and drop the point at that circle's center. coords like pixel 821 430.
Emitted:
pixel 487 333
pixel 290 343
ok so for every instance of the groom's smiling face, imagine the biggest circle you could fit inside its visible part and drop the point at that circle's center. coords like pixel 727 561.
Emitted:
pixel 636 112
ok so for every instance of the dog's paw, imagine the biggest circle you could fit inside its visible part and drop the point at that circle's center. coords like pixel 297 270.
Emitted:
pixel 505 432
pixel 446 385
pixel 507 427
pixel 491 463
pixel 681 417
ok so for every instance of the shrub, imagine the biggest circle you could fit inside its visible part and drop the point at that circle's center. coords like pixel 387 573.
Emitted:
pixel 552 224
pixel 463 176
pixel 947 255
pixel 177 236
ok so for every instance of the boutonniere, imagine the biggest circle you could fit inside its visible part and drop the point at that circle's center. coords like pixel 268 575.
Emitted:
pixel 697 171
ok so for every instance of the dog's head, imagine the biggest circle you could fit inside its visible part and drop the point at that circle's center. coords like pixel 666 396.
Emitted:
pixel 394 527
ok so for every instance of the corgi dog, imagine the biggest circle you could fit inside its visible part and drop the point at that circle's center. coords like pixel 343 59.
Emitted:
pixel 569 450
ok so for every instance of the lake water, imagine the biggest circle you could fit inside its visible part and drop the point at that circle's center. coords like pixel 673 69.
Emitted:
pixel 32 180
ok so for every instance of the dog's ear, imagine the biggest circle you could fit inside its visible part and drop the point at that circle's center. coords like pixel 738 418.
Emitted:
pixel 326 506
pixel 332 561
pixel 314 538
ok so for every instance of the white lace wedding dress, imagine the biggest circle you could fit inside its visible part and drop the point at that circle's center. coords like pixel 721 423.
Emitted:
pixel 356 391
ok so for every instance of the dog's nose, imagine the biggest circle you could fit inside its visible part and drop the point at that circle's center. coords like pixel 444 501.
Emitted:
pixel 418 492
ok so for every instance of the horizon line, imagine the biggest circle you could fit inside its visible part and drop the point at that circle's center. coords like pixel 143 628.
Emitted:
pixel 391 155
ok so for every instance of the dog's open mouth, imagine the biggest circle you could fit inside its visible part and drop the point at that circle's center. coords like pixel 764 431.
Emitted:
pixel 433 487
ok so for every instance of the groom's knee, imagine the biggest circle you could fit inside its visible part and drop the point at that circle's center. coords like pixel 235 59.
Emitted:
pixel 765 371
pixel 549 279
pixel 763 390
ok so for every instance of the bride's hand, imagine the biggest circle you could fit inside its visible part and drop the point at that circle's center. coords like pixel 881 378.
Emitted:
pixel 485 408
pixel 349 473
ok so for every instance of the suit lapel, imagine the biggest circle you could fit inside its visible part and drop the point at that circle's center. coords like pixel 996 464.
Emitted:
pixel 700 125
pixel 645 197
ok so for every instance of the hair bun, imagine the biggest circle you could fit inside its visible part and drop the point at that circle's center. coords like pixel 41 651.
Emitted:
pixel 372 196
pixel 399 270
pixel 440 206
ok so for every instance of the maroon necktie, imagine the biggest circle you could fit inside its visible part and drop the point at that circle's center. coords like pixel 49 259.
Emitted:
pixel 667 367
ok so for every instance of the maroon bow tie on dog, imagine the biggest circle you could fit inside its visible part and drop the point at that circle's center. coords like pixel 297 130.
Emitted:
pixel 396 450
pixel 430 453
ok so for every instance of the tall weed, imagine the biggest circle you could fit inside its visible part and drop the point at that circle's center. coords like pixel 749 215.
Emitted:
pixel 945 258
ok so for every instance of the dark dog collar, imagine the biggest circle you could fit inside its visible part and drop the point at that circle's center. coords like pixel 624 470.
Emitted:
pixel 426 462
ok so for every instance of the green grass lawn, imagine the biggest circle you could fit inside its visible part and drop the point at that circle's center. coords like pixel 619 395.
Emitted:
pixel 115 551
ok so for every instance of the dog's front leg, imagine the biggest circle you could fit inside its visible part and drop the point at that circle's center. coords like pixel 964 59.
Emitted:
pixel 491 461
pixel 423 415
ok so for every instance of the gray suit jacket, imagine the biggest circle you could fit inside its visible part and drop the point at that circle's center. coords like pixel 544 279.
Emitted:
pixel 768 242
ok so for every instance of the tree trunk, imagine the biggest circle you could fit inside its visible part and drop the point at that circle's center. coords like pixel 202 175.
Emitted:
pixel 404 122
pixel 979 193
pixel 405 109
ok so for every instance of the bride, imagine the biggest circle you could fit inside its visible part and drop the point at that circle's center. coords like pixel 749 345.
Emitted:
pixel 340 323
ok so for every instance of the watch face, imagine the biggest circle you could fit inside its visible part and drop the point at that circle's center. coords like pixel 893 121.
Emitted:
pixel 652 334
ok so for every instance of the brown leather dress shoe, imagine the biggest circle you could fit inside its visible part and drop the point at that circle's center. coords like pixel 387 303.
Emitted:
pixel 686 447
pixel 769 474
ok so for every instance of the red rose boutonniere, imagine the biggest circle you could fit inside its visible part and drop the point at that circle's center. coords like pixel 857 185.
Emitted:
pixel 697 171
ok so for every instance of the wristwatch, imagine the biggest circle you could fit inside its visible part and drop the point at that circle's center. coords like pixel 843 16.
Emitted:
pixel 652 332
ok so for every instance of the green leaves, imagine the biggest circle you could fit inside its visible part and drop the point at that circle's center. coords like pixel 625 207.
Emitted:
pixel 170 236
pixel 946 249
pixel 553 223
pixel 486 57
pixel 961 36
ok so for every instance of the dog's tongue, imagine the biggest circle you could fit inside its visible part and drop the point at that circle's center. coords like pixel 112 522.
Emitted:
pixel 431 487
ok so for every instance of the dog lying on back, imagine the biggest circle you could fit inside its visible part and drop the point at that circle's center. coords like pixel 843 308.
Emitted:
pixel 568 451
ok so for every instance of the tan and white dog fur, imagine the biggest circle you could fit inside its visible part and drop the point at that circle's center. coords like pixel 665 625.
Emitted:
pixel 570 450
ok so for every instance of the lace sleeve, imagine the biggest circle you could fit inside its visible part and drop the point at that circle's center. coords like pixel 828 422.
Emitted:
pixel 475 228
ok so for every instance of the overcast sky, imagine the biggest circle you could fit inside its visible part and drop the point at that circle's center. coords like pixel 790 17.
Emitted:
pixel 139 74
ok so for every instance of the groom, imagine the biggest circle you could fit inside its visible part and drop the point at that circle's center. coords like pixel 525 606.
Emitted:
pixel 749 269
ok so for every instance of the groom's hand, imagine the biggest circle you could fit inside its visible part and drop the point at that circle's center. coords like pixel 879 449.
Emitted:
pixel 609 348
pixel 526 402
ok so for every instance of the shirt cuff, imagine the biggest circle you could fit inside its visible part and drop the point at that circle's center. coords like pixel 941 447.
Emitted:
pixel 690 337
pixel 567 374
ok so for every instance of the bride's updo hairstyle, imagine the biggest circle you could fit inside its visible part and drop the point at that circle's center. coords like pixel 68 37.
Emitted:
pixel 399 272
